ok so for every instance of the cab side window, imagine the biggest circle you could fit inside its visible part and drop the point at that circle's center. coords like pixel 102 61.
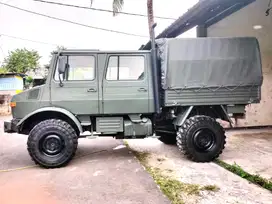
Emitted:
pixel 81 68
pixel 125 68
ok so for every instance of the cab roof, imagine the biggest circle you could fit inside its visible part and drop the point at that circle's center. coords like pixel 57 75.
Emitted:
pixel 82 51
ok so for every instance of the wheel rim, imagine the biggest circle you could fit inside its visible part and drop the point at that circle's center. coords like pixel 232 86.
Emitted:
pixel 204 140
pixel 51 145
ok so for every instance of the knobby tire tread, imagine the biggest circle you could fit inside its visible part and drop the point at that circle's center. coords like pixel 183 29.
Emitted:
pixel 46 125
pixel 191 123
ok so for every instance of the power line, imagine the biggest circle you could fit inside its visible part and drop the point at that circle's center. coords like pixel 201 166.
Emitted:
pixel 73 22
pixel 2 50
pixel 19 38
pixel 104 10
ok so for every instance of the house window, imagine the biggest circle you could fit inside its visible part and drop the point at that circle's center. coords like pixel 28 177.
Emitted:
pixel 125 68
pixel 81 68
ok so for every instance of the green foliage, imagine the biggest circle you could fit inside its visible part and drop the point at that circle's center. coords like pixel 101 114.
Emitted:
pixel 21 61
pixel 256 179
pixel 210 188
pixel 3 70
pixel 117 6
pixel 59 47
pixel 51 54
pixel 29 79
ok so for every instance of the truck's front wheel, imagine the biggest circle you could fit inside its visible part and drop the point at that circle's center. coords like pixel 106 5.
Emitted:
pixel 201 139
pixel 52 143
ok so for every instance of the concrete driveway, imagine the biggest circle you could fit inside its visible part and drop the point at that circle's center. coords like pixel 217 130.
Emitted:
pixel 252 150
pixel 104 171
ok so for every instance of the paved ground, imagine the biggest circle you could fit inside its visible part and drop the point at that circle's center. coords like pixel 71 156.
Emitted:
pixel 233 189
pixel 252 150
pixel 105 174
pixel 104 171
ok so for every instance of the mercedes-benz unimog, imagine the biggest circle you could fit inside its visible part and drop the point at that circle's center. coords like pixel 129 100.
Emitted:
pixel 176 91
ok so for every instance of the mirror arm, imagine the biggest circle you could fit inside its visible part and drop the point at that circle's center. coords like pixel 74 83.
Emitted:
pixel 60 84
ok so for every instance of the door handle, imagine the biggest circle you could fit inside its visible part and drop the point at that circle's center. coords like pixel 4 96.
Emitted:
pixel 91 90
pixel 142 89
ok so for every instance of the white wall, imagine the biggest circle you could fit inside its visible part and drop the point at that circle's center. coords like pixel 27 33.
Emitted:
pixel 242 23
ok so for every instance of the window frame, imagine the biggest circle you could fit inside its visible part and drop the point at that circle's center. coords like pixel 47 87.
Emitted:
pixel 66 71
pixel 118 67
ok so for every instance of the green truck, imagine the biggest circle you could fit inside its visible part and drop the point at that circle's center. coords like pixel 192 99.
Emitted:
pixel 177 92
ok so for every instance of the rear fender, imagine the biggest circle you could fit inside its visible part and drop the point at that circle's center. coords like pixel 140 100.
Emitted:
pixel 188 111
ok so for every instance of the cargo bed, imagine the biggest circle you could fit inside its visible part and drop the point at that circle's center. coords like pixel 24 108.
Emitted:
pixel 210 71
pixel 204 96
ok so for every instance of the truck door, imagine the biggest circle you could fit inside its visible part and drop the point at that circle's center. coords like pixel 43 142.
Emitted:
pixel 79 93
pixel 125 84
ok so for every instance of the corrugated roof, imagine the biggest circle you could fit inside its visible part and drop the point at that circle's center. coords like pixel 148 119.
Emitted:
pixel 12 74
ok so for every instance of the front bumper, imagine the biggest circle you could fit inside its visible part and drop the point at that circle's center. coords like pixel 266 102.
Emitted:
pixel 11 126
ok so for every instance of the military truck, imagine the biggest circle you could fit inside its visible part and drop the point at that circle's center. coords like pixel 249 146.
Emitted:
pixel 178 91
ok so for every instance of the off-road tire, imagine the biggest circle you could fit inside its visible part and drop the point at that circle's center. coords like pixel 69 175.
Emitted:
pixel 68 138
pixel 188 132
pixel 168 139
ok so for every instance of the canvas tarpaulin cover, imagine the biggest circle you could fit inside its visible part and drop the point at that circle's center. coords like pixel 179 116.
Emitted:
pixel 209 62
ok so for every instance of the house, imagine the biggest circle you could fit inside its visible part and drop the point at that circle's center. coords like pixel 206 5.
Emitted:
pixel 252 20
pixel 38 75
pixel 10 84
pixel 234 18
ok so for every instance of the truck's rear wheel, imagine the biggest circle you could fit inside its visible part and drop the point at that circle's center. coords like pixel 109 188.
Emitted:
pixel 201 139
pixel 52 143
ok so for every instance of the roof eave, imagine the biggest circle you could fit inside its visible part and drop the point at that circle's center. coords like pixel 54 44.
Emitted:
pixel 205 12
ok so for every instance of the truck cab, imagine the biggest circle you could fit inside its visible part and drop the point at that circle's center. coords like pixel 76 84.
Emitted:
pixel 94 83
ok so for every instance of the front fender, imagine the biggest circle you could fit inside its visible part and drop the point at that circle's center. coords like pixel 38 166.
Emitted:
pixel 53 109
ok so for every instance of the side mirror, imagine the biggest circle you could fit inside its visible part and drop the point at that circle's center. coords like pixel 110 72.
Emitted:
pixel 62 64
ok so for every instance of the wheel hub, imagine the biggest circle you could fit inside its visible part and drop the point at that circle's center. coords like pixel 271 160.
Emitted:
pixel 52 145
pixel 204 139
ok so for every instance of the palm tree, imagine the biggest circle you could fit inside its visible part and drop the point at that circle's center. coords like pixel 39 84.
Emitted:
pixel 150 16
pixel 117 6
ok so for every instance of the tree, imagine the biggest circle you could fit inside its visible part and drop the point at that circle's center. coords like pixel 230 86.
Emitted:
pixel 59 47
pixel 21 61
pixel 150 16
pixel 3 70
pixel 117 6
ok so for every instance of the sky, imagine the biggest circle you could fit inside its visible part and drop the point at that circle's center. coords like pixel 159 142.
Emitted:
pixel 37 28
